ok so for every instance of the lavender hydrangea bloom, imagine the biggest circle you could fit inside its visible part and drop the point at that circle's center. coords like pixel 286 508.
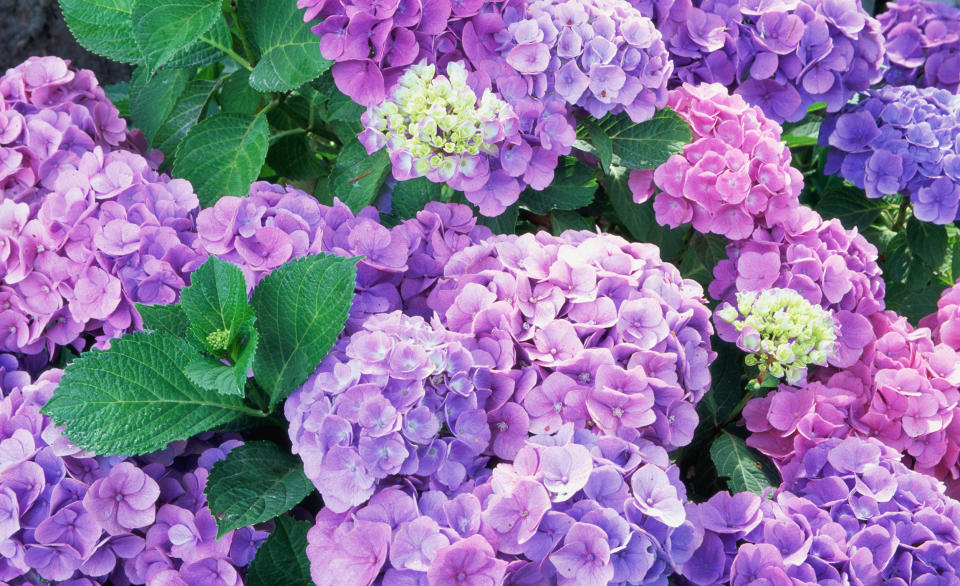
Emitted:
pixel 617 337
pixel 562 512
pixel 376 407
pixel 73 518
pixel 782 57
pixel 400 265
pixel 922 44
pixel 87 225
pixel 603 55
pixel 827 264
pixel 853 513
pixel 900 140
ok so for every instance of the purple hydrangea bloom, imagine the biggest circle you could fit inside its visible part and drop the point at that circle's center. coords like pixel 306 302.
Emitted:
pixel 562 512
pixel 782 57
pixel 617 337
pixel 376 407
pixel 73 518
pixel 87 225
pixel 853 513
pixel 922 44
pixel 900 140
pixel 827 264
pixel 603 55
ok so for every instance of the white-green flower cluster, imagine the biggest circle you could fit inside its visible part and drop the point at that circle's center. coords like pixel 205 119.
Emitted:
pixel 434 126
pixel 781 331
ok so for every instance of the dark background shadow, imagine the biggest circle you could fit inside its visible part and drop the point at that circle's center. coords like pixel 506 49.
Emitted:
pixel 36 27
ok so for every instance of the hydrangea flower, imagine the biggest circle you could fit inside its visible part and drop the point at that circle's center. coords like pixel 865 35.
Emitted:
pixel 853 514
pixel 944 324
pixel 69 517
pixel 901 391
pixel 922 45
pixel 437 127
pixel 87 227
pixel 395 397
pixel 900 140
pixel 572 508
pixel 733 177
pixel 371 43
pixel 782 57
pixel 825 263
pixel 617 339
pixel 781 331
pixel 400 265
pixel 601 55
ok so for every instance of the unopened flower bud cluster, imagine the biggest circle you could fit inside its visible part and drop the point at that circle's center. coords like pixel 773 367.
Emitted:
pixel 782 331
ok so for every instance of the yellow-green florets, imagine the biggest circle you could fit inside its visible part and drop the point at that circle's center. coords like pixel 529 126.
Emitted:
pixel 218 340
pixel 782 332
pixel 431 123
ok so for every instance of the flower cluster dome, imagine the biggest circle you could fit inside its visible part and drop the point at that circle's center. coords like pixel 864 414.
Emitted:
pixel 87 225
pixel 69 517
pixel 922 43
pixel 733 177
pixel 853 514
pixel 900 139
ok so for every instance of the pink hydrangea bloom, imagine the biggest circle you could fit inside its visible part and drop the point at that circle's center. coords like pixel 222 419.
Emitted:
pixel 734 177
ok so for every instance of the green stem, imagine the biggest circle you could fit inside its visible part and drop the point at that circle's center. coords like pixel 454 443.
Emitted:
pixel 259 396
pixel 901 215
pixel 229 51
pixel 751 393
pixel 273 103
pixel 284 133
pixel 238 30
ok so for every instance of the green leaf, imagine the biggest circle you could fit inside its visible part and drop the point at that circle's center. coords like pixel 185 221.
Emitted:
pixel 164 318
pixel 563 220
pixel 573 187
pixel 927 241
pixel 135 397
pixel 256 482
pixel 213 375
pixel 648 144
pixel 282 559
pixel 745 468
pixel 803 133
pixel 164 28
pixel 294 157
pixel 301 308
pixel 411 196
pixel 216 301
pixel 152 98
pixel 356 176
pixel 639 219
pixel 185 114
pixel 340 107
pixel 289 51
pixel 237 97
pixel 602 145
pixel 222 155
pixel 726 387
pixel 207 49
pixel 851 206
pixel 104 27
pixel 119 94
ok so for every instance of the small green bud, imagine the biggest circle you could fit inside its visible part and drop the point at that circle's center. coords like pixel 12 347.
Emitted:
pixel 218 340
